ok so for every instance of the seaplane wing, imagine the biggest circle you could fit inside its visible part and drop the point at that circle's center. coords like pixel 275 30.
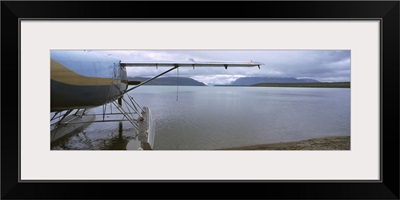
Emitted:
pixel 190 63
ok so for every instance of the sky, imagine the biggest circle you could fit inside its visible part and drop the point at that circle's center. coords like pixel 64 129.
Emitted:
pixel 321 65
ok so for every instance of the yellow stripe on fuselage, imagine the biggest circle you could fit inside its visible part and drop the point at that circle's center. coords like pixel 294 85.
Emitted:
pixel 64 75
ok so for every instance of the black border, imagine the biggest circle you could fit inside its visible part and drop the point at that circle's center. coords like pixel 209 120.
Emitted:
pixel 386 11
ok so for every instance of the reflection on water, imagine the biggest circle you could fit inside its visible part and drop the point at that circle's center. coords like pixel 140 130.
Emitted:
pixel 98 136
pixel 222 117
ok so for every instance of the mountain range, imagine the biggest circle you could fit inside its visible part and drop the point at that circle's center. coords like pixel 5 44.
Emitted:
pixel 169 81
pixel 256 80
pixel 240 81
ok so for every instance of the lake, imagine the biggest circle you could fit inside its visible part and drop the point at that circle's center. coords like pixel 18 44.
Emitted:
pixel 206 118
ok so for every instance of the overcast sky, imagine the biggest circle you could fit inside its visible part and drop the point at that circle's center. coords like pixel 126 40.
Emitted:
pixel 322 65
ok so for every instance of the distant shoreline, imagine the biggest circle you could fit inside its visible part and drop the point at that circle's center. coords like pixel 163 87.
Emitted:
pixel 324 143
pixel 303 85
pixel 312 85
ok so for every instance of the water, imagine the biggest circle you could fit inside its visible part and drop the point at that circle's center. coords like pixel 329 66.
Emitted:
pixel 205 118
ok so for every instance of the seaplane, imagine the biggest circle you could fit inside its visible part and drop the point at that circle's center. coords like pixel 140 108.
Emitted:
pixel 83 79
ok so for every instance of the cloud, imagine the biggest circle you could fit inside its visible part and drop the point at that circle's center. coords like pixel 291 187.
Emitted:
pixel 322 65
pixel 217 79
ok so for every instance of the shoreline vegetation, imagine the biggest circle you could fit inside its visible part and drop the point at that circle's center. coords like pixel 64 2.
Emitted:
pixel 314 85
pixel 324 143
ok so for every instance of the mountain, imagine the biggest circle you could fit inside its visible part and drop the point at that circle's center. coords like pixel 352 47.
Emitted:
pixel 256 80
pixel 169 81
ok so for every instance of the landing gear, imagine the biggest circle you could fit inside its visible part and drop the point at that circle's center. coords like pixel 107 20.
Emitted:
pixel 65 123
pixel 142 121
pixel 123 109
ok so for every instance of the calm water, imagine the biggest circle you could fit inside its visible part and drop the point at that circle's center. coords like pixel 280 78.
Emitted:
pixel 221 117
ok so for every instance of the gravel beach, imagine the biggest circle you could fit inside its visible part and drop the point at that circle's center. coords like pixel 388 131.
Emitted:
pixel 325 143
